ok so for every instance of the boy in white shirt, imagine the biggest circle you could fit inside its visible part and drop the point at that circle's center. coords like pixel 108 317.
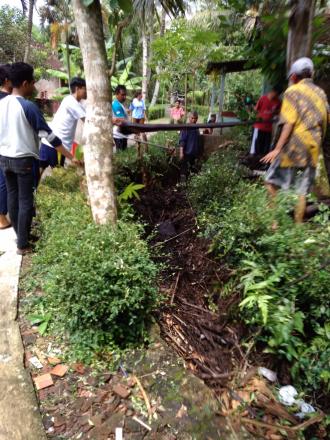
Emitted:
pixel 64 123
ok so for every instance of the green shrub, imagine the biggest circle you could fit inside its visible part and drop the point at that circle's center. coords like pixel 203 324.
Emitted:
pixel 157 111
pixel 282 275
pixel 129 168
pixel 99 282
pixel 218 180
pixel 198 95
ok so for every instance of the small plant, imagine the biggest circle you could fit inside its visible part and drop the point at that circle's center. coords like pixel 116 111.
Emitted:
pixel 42 321
pixel 130 192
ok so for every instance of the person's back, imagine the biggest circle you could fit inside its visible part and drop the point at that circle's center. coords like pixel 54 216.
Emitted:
pixel 304 106
pixel 64 123
pixel 304 116
pixel 17 137
pixel 66 118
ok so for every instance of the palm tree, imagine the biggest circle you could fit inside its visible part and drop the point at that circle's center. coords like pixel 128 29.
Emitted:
pixel 24 6
pixel 145 11
pixel 29 29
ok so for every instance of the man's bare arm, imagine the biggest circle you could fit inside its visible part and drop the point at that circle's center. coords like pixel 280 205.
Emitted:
pixel 285 135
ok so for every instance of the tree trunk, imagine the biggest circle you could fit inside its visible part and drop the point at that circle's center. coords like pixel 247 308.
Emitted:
pixel 145 61
pixel 300 30
pixel 98 124
pixel 29 32
pixel 67 50
pixel 157 84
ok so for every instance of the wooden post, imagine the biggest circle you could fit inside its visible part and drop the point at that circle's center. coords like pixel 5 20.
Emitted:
pixel 185 93
pixel 212 98
pixel 222 95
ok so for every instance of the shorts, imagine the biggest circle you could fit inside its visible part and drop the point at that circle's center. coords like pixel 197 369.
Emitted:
pixel 301 179
pixel 47 156
pixel 121 144
pixel 138 121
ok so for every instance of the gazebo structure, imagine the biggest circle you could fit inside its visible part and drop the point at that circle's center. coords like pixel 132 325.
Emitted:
pixel 222 68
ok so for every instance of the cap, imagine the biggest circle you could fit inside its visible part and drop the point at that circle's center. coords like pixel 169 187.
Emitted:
pixel 300 65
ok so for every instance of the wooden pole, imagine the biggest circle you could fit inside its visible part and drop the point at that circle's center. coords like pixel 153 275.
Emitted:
pixel 185 93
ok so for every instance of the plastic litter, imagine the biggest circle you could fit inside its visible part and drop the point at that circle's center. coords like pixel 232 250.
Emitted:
pixel 305 408
pixel 268 374
pixel 287 395
pixel 35 362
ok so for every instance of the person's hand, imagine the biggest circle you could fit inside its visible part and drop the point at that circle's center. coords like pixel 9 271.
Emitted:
pixel 270 157
pixel 181 153
pixel 77 163
pixel 117 121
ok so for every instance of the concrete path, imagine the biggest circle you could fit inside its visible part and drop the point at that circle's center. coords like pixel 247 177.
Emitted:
pixel 19 413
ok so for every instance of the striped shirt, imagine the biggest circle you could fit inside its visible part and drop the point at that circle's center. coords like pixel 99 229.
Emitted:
pixel 305 106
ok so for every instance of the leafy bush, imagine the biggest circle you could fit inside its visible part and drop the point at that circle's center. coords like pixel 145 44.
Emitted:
pixel 130 168
pixel 98 281
pixel 283 275
pixel 198 95
pixel 218 180
pixel 157 111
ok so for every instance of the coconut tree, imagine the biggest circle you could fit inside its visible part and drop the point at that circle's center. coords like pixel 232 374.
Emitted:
pixel 145 10
pixel 29 28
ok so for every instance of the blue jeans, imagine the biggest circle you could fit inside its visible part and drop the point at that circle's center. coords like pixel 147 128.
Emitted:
pixel 20 183
pixel 3 194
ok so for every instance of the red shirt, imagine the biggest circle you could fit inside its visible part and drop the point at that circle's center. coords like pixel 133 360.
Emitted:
pixel 266 109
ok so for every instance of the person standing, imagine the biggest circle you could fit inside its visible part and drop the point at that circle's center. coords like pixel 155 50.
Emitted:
pixel 304 117
pixel 177 112
pixel 138 109
pixel 5 90
pixel 190 147
pixel 64 123
pixel 21 126
pixel 267 107
pixel 120 115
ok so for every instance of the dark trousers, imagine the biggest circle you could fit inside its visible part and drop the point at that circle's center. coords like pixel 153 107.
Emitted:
pixel 20 183
pixel 121 144
pixel 263 143
pixel 188 165
pixel 3 194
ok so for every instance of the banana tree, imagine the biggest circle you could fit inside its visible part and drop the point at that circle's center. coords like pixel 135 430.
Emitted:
pixel 126 77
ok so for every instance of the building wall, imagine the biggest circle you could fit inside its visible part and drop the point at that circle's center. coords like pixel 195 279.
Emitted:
pixel 46 87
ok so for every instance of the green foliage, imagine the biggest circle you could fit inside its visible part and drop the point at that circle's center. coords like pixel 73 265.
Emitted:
pixel 126 77
pixel 13 28
pixel 42 321
pixel 130 192
pixel 283 275
pixel 130 168
pixel 98 281
pixel 13 32
pixel 157 111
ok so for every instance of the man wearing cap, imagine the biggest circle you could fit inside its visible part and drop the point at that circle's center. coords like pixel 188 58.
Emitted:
pixel 304 116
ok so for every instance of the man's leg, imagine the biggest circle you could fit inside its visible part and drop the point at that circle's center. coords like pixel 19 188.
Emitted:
pixel 12 190
pixel 25 208
pixel 4 223
pixel 300 209
pixel 272 193
pixel 184 169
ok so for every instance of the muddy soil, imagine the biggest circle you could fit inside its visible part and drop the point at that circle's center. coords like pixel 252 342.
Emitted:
pixel 206 340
